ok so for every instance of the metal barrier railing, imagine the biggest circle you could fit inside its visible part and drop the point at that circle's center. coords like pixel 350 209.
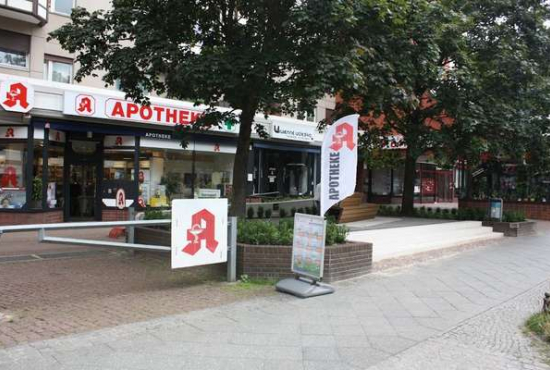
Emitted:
pixel 43 238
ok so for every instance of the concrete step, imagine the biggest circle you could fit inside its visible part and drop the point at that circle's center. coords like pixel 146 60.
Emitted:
pixel 399 242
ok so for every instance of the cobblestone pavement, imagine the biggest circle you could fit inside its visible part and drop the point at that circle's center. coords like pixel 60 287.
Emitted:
pixel 55 297
pixel 462 312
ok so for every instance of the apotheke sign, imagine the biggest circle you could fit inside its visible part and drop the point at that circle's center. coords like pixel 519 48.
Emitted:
pixel 293 131
pixel 99 106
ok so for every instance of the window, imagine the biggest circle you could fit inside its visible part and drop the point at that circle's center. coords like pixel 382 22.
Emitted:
pixel 306 116
pixel 12 175
pixel 62 6
pixel 165 175
pixel 58 69
pixel 14 49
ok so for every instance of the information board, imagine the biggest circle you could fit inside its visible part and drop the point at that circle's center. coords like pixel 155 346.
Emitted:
pixel 308 247
pixel 495 211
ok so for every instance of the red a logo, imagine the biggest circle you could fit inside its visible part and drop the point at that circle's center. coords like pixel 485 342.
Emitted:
pixel 17 96
pixel 203 228
pixel 343 136
pixel 10 132
pixel 118 141
pixel 216 147
pixel 85 105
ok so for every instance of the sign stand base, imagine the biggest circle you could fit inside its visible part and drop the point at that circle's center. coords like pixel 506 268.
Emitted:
pixel 303 288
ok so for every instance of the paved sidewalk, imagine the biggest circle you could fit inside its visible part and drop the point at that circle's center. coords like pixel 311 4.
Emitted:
pixel 462 312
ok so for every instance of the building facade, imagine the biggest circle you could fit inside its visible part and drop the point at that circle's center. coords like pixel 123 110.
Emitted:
pixel 68 151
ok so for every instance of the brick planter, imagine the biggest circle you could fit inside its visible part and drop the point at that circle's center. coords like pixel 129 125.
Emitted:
pixel 343 261
pixel 513 229
pixel 531 210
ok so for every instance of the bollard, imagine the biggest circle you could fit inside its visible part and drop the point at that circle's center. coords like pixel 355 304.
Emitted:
pixel 232 249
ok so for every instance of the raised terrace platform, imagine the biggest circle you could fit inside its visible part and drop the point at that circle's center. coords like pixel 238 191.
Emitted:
pixel 394 238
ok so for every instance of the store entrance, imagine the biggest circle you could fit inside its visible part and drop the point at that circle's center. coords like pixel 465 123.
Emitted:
pixel 82 169
pixel 82 192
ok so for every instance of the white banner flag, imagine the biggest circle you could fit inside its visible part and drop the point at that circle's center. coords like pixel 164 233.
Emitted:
pixel 339 162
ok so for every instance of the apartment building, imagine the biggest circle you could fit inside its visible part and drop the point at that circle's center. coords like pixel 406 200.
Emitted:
pixel 67 149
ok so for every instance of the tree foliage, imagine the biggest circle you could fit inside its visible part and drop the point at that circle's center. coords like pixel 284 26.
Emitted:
pixel 267 56
pixel 455 77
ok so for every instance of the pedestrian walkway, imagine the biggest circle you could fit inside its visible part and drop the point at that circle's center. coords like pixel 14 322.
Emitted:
pixel 461 312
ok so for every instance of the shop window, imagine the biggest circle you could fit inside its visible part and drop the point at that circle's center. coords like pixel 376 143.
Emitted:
pixel 213 174
pixel 12 175
pixel 165 175
pixel 287 173
pixel 58 69
pixel 398 181
pixel 14 49
pixel 54 188
pixel 62 6
pixel 381 181
pixel 118 164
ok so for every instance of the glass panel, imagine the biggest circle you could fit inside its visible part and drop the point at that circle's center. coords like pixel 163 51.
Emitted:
pixel 381 181
pixel 12 179
pixel 84 147
pixel 55 177
pixel 165 175
pixel 398 179
pixel 285 173
pixel 214 174
pixel 13 58
pixel 63 6
pixel 118 164
pixel 82 191
pixel 61 72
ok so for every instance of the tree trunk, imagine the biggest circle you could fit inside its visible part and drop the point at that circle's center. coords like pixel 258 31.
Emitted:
pixel 407 202
pixel 240 170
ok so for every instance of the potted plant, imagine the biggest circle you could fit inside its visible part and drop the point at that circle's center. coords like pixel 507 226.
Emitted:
pixel 36 196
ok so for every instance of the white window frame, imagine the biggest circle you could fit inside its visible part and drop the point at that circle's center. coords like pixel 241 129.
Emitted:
pixel 11 66
pixel 48 73
pixel 52 8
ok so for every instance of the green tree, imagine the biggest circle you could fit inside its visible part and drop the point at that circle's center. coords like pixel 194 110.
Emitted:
pixel 260 56
pixel 454 77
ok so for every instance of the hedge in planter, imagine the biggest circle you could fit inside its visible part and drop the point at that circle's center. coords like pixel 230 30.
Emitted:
pixel 270 233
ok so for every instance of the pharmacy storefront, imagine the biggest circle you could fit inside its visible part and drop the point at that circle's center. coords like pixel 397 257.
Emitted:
pixel 71 153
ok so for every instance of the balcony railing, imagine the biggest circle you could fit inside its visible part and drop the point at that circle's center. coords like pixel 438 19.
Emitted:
pixel 29 11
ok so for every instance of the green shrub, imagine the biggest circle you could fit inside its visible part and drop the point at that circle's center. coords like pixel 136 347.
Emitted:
pixel 336 234
pixel 250 212
pixel 260 212
pixel 454 211
pixel 292 212
pixel 282 213
pixel 153 214
pixel 300 210
pixel 258 232
pixel 513 216
pixel 268 213
pixel 438 210
pixel 308 211
pixel 540 325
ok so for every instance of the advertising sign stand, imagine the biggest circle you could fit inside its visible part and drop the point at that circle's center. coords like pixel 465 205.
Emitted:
pixel 308 255
pixel 495 209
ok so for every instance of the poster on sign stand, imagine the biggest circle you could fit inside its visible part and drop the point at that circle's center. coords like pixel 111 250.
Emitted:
pixel 308 256
pixel 338 178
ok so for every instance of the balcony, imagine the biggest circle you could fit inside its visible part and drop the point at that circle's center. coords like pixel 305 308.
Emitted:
pixel 28 11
